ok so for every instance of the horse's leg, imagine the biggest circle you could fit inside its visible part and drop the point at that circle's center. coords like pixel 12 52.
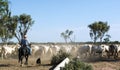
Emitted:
pixel 19 55
pixel 21 59
pixel 26 62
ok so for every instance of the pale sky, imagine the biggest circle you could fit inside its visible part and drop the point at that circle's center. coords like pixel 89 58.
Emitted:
pixel 55 16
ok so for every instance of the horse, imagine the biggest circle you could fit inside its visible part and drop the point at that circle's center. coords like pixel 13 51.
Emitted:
pixel 23 52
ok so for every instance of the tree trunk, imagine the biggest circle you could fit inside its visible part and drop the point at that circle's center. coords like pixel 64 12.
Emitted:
pixel 17 38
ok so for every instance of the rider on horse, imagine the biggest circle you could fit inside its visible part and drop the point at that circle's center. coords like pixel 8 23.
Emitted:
pixel 24 43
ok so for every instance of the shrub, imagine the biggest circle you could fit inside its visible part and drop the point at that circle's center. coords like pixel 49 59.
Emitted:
pixel 56 59
pixel 77 65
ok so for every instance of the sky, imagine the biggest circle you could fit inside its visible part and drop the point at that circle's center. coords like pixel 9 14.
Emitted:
pixel 52 17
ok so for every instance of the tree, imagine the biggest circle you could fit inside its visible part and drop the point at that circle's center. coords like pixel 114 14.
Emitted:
pixel 3 6
pixel 11 26
pixel 98 30
pixel 6 23
pixel 66 35
pixel 24 23
pixel 107 39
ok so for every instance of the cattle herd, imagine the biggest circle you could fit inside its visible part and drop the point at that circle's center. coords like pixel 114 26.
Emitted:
pixel 109 51
pixel 76 50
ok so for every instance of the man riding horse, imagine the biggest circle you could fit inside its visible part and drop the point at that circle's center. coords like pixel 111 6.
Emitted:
pixel 24 43
pixel 24 50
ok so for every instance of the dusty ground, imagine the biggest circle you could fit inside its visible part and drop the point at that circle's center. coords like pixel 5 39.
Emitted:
pixel 12 64
pixel 97 63
pixel 104 63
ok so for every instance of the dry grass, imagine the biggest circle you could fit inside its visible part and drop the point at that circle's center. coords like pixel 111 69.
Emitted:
pixel 12 64
pixel 98 64
pixel 104 63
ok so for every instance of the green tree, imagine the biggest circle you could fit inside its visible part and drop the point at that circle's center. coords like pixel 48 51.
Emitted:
pixel 76 64
pixel 66 35
pixel 11 26
pixel 107 39
pixel 3 6
pixel 6 23
pixel 98 30
pixel 24 23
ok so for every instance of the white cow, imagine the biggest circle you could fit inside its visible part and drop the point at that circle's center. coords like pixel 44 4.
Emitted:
pixel 84 50
pixel 8 50
pixel 66 48
pixel 41 50
pixel 105 48
pixel 111 50
pixel 73 51
pixel 97 49
pixel 55 48
pixel 0 50
pixel 117 48
pixel 34 49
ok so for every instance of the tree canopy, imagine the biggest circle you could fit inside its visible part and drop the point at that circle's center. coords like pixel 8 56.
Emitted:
pixel 98 30
pixel 23 25
pixel 13 26
pixel 6 24
pixel 66 35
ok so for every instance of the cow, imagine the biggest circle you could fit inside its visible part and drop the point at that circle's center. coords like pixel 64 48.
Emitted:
pixel 41 51
pixel 97 49
pixel 8 50
pixel 111 50
pixel 84 50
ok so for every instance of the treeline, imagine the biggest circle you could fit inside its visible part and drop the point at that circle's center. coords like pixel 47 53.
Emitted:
pixel 72 43
pixel 111 42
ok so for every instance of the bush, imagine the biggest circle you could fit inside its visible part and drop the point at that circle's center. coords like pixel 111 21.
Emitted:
pixel 56 59
pixel 77 65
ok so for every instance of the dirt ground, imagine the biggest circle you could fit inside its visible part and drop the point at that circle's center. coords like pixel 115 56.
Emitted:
pixel 104 63
pixel 97 63
pixel 12 64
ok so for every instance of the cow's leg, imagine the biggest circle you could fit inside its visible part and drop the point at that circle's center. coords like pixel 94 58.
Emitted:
pixel 90 54
pixel 5 55
pixel 108 55
pixel 94 53
pixel 87 54
pixel 115 55
pixel 100 54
